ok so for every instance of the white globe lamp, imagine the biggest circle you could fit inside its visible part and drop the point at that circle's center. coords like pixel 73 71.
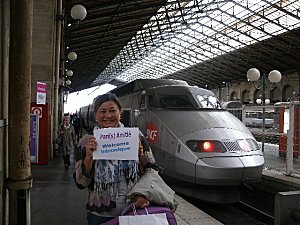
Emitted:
pixel 267 101
pixel 69 73
pixel 274 76
pixel 78 12
pixel 258 101
pixel 68 82
pixel 72 56
pixel 253 74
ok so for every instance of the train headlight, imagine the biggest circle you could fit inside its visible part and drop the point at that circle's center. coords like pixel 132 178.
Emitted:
pixel 206 146
pixel 248 145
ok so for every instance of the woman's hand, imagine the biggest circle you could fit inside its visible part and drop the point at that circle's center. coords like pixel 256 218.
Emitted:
pixel 91 146
pixel 141 201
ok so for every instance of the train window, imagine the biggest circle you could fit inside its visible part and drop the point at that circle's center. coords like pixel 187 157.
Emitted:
pixel 125 118
pixel 147 101
pixel 151 101
pixel 209 101
pixel 175 101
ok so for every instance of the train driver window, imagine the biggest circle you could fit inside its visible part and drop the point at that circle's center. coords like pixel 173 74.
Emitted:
pixel 175 101
pixel 209 102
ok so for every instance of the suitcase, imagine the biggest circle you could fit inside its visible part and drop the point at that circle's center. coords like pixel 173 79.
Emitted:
pixel 152 209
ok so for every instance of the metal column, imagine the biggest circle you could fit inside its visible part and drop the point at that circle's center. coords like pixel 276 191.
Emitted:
pixel 56 73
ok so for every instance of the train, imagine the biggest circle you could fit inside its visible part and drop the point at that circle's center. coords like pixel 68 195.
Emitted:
pixel 254 117
pixel 206 152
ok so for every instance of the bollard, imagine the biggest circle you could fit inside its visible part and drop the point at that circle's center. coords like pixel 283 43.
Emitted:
pixel 296 214
pixel 287 208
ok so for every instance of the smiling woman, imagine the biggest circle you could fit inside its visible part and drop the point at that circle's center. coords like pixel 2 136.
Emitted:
pixel 82 98
pixel 110 178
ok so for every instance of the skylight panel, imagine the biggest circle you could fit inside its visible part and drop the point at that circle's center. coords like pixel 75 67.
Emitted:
pixel 223 26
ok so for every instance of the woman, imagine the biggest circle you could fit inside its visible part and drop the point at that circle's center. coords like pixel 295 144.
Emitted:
pixel 109 181
pixel 69 140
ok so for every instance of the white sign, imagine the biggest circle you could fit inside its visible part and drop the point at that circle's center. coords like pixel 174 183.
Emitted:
pixel 117 143
pixel 41 93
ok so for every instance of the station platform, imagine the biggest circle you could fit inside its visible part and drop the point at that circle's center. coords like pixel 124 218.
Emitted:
pixel 55 199
pixel 274 173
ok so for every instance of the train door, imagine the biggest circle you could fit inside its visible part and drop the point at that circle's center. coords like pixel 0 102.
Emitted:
pixel 167 147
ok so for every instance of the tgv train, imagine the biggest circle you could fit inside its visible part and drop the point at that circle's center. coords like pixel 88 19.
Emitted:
pixel 206 152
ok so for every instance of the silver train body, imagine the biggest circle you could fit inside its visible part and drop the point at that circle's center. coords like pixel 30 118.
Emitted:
pixel 206 152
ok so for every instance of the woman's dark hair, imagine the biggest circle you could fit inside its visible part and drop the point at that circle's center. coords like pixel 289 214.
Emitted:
pixel 105 98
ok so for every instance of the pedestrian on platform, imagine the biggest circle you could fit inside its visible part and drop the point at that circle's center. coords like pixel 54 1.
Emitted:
pixel 109 181
pixel 69 140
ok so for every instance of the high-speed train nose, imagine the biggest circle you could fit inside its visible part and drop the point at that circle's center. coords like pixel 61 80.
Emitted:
pixel 228 171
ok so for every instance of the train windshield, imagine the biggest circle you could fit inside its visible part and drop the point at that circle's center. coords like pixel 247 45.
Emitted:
pixel 176 101
pixel 188 102
pixel 210 102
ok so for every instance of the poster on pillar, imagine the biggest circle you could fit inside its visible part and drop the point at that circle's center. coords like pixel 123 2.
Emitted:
pixel 43 131
pixel 34 137
pixel 41 93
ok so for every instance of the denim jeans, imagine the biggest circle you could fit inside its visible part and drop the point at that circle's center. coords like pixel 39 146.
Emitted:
pixel 96 220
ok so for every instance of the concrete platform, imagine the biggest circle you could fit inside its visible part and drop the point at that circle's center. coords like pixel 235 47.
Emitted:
pixel 186 213
pixel 55 200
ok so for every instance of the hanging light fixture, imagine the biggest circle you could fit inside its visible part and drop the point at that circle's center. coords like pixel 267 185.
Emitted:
pixel 78 12
pixel 68 82
pixel 72 56
pixel 69 73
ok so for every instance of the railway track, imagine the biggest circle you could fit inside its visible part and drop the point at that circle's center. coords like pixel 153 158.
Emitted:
pixel 260 215
pixel 255 208
pixel 235 214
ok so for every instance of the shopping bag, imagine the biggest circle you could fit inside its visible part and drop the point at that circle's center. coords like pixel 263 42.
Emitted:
pixel 147 219
pixel 152 209
pixel 59 140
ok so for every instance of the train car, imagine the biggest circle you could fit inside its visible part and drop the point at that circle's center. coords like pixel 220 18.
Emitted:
pixel 206 152
pixel 87 118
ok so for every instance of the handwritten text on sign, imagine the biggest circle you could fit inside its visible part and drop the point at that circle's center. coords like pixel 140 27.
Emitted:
pixel 117 143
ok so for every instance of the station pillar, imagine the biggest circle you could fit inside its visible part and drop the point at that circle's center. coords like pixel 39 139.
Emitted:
pixel 19 179
pixel 284 125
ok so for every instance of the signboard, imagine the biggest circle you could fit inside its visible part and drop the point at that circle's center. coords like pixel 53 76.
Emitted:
pixel 41 93
pixel 43 131
pixel 37 111
pixel 117 143
pixel 34 137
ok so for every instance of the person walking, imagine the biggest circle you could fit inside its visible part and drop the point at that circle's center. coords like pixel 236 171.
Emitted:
pixel 67 132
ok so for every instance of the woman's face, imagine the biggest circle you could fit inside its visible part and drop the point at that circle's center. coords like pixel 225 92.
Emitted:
pixel 108 114
pixel 66 120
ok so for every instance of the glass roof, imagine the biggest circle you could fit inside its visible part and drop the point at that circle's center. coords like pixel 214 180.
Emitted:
pixel 185 33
